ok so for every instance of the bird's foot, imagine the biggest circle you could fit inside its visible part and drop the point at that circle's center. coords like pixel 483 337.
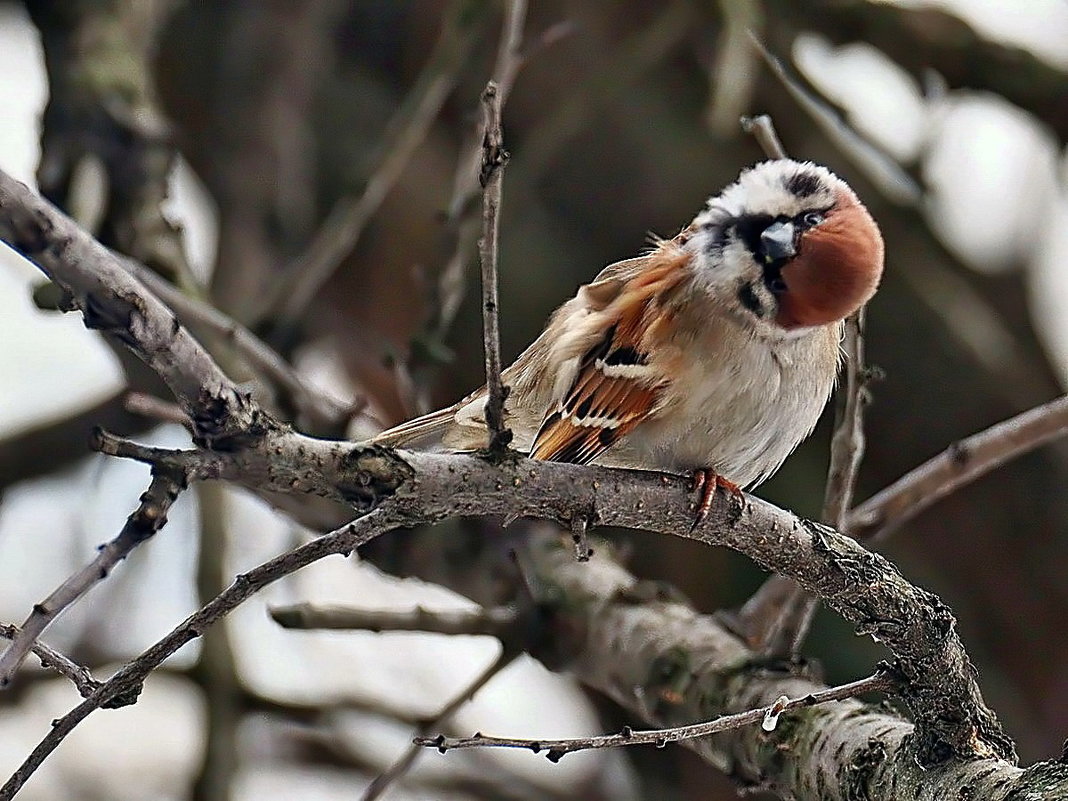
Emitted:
pixel 705 483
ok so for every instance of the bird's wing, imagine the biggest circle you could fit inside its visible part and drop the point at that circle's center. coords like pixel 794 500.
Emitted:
pixel 619 381
pixel 593 355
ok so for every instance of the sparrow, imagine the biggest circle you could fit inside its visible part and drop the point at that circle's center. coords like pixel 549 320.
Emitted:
pixel 711 355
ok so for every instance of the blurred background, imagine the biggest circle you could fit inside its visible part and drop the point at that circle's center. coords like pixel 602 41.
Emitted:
pixel 246 150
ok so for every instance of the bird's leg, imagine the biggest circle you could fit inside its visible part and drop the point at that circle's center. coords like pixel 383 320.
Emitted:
pixel 705 483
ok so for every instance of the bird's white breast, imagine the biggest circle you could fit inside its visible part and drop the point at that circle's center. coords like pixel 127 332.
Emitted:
pixel 743 402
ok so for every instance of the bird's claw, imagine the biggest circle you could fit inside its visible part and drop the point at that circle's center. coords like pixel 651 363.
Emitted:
pixel 705 483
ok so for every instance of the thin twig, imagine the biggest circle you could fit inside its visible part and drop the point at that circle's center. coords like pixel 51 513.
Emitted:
pixel 509 61
pixel 494 158
pixel 762 129
pixel 344 224
pixel 791 625
pixel 122 688
pixel 79 675
pixel 145 521
pixel 466 187
pixel 319 407
pixel 556 749
pixel 896 184
pixel 495 621
pixel 961 463
pixel 404 763
pixel 847 443
pixel 145 405
pixel 192 462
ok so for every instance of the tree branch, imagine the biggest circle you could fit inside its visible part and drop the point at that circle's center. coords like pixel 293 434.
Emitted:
pixel 124 687
pixel 768 716
pixel 494 158
pixel 494 622
pixel 146 520
pixel 847 444
pixel 115 303
pixel 914 625
pixel 670 665
pixel 344 224
pixel 795 612
pixel 79 675
pixel 938 682
pixel 401 766
pixel 896 184
pixel 960 464
pixel 319 408
pixel 151 407
pixel 762 129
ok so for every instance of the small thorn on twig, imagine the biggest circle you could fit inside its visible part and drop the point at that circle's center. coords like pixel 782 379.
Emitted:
pixel 579 527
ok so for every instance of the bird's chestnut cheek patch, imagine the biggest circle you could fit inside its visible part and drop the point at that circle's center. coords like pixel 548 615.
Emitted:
pixel 829 279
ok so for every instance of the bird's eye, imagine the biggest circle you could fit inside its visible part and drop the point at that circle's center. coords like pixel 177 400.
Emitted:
pixel 812 219
pixel 775 284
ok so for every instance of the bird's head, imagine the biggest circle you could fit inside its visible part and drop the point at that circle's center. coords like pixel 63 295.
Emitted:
pixel 789 245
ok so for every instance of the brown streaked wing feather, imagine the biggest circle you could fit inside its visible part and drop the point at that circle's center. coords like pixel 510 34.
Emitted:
pixel 599 409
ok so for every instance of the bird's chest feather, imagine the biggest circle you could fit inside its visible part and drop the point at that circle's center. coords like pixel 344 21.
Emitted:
pixel 741 403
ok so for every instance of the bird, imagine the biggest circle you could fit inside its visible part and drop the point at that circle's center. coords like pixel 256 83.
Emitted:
pixel 712 355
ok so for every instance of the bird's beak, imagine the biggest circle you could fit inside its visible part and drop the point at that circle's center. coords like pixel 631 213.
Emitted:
pixel 778 241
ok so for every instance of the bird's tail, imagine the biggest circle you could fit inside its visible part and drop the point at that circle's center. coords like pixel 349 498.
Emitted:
pixel 420 431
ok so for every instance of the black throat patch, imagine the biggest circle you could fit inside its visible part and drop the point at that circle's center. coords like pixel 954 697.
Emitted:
pixel 747 296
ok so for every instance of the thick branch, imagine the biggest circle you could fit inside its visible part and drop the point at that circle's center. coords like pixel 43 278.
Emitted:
pixel 412 488
pixel 866 589
pixel 671 666
pixel 115 303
